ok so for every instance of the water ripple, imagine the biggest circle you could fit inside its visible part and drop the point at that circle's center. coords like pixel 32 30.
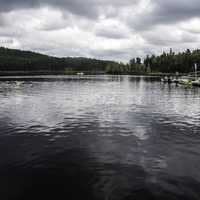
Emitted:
pixel 119 137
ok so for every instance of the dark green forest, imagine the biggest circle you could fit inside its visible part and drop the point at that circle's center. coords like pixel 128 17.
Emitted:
pixel 171 62
pixel 12 60
pixel 165 63
pixel 17 60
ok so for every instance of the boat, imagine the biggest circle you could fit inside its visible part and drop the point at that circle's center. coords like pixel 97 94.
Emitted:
pixel 196 83
pixel 80 73
pixel 185 81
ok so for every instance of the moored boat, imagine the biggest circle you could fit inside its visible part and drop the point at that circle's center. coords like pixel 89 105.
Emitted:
pixel 185 81
pixel 80 73
pixel 196 83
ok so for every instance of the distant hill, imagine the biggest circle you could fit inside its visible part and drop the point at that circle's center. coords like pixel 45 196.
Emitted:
pixel 17 60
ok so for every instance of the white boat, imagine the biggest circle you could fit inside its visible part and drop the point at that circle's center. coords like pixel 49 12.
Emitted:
pixel 185 81
pixel 196 83
pixel 80 74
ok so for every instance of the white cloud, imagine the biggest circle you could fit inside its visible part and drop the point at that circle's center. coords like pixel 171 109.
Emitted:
pixel 113 29
pixel 192 25
pixel 105 29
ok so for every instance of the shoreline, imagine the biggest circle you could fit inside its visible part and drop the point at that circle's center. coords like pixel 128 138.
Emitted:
pixel 41 73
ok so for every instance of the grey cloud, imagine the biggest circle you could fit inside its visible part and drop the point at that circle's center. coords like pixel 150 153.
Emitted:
pixel 86 8
pixel 112 33
pixel 8 5
pixel 176 10
pixel 160 39
pixel 166 12
pixel 1 20
pixel 82 8
pixel 11 32
pixel 53 25
pixel 82 22
pixel 170 11
pixel 110 54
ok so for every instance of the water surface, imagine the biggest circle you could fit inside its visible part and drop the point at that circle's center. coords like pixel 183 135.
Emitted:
pixel 103 137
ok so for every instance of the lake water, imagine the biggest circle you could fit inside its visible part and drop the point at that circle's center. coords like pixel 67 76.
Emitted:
pixel 103 137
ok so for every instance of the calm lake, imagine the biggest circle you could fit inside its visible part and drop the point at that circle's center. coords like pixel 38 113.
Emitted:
pixel 98 137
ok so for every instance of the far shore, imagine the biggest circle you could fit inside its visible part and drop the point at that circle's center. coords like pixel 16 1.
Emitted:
pixel 37 73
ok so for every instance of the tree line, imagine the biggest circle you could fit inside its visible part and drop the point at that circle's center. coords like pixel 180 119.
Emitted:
pixel 17 60
pixel 171 62
pixel 135 66
pixel 165 63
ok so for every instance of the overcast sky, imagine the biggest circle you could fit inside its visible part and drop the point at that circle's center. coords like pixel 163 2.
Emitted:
pixel 105 29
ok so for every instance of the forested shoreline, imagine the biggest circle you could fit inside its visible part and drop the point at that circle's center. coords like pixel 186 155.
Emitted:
pixel 183 62
pixel 17 61
pixel 12 60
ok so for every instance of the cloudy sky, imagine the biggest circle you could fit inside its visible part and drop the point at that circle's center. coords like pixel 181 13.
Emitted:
pixel 105 29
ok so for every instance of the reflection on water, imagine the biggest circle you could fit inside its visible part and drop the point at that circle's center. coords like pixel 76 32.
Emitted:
pixel 104 137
